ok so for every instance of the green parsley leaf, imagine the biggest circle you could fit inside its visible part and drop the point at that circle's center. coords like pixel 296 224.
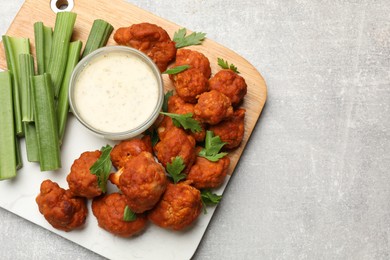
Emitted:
pixel 209 199
pixel 213 158
pixel 184 120
pixel 213 145
pixel 129 215
pixel 177 69
pixel 102 167
pixel 153 135
pixel 225 65
pixel 175 169
pixel 166 99
pixel 179 34
pixel 182 40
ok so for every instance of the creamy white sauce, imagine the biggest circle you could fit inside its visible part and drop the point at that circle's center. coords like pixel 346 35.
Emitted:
pixel 116 92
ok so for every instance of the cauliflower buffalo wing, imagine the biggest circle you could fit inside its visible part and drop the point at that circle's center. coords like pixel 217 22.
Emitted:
pixel 213 107
pixel 142 181
pixel 109 211
pixel 232 130
pixel 195 59
pixel 81 181
pixel 179 207
pixel 205 174
pixel 231 84
pixel 177 105
pixel 149 38
pixel 60 208
pixel 123 151
pixel 189 84
pixel 176 142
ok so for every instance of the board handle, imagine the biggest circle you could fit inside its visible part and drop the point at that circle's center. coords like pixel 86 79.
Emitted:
pixel 61 5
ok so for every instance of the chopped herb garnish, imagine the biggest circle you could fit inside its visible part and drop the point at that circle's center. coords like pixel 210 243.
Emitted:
pixel 176 70
pixel 102 167
pixel 213 145
pixel 225 65
pixel 182 40
pixel 153 135
pixel 175 169
pixel 129 215
pixel 184 120
pixel 166 99
pixel 209 199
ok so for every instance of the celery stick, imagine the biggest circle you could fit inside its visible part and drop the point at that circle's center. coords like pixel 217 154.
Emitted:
pixel 13 47
pixel 48 41
pixel 18 155
pixel 98 36
pixel 26 69
pixel 31 138
pixel 46 123
pixel 43 40
pixel 39 37
pixel 62 34
pixel 63 102
pixel 7 133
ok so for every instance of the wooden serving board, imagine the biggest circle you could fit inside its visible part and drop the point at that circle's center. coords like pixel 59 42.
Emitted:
pixel 119 14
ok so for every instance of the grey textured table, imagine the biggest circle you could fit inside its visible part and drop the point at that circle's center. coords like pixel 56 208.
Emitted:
pixel 314 180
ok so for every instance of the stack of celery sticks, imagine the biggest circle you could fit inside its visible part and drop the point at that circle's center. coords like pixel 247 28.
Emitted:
pixel 34 102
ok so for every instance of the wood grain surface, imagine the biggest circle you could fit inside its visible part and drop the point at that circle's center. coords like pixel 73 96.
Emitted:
pixel 122 14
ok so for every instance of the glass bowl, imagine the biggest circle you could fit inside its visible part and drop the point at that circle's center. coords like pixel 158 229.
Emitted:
pixel 116 92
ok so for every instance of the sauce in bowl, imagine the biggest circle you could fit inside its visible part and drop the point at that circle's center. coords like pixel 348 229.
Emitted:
pixel 116 92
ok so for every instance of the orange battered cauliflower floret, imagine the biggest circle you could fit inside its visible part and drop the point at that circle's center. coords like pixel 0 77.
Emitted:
pixel 142 181
pixel 109 211
pixel 149 38
pixel 231 84
pixel 205 174
pixel 176 142
pixel 177 105
pixel 123 151
pixel 81 181
pixel 179 207
pixel 60 208
pixel 231 131
pixel 194 59
pixel 189 84
pixel 213 107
